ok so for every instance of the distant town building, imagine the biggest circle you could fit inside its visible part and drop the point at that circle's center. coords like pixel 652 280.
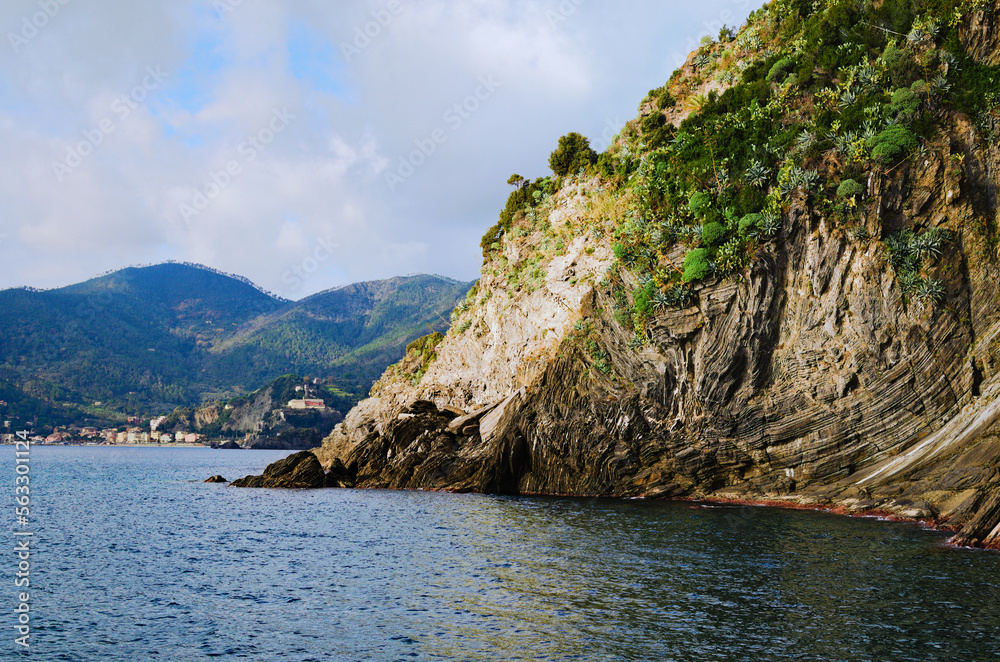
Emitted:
pixel 155 423
pixel 306 404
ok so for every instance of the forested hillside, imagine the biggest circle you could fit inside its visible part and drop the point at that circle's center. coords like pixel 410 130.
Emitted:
pixel 144 340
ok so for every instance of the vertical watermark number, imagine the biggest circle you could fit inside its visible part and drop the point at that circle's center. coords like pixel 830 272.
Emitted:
pixel 22 539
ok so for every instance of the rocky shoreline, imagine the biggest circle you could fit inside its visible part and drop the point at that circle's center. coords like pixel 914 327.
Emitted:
pixel 849 358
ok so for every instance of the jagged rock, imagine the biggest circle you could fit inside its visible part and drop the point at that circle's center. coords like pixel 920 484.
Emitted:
pixel 216 479
pixel 809 377
pixel 339 476
pixel 301 471
pixel 984 529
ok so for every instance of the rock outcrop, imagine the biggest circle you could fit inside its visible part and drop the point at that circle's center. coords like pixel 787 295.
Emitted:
pixel 298 471
pixel 810 377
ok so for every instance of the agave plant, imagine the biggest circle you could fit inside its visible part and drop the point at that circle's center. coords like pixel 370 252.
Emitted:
pixel 868 76
pixel 802 178
pixel 805 140
pixel 847 98
pixel 770 225
pixel 898 246
pixel 909 280
pixel 916 35
pixel 930 244
pixel 941 83
pixel 757 174
pixel 928 290
pixel 750 41
pixel 661 300
pixel 700 61
pixel 679 296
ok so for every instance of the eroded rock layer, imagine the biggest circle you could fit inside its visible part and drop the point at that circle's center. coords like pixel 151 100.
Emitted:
pixel 808 377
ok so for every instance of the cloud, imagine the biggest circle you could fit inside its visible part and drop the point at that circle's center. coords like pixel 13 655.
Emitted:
pixel 278 122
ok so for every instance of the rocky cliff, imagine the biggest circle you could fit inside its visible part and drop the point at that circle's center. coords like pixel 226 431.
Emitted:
pixel 834 342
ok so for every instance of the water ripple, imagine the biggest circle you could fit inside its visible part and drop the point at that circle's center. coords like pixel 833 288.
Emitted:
pixel 137 559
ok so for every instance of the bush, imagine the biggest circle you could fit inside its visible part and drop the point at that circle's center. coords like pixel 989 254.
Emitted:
pixel 900 67
pixel 892 143
pixel 644 300
pixel 779 72
pixel 904 102
pixel 574 152
pixel 665 100
pixel 713 234
pixel 850 188
pixel 696 265
pixel 700 203
pixel 651 123
pixel 749 224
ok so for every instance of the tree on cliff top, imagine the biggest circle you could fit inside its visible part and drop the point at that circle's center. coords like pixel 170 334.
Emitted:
pixel 574 152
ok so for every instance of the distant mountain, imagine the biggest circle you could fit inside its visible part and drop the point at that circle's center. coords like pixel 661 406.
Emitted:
pixel 151 338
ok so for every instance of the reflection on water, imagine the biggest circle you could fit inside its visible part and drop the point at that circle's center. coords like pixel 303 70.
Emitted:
pixel 139 560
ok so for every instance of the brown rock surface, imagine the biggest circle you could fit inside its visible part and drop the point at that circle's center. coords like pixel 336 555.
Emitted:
pixel 301 470
pixel 810 378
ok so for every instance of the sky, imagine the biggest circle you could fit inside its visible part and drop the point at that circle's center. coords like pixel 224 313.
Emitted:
pixel 304 144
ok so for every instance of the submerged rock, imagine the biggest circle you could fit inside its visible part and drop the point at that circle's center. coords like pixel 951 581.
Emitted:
pixel 216 479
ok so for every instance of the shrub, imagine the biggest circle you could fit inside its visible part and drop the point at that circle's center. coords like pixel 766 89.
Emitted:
pixel 780 70
pixel 651 123
pixel 574 152
pixel 900 67
pixel 696 265
pixel 700 203
pixel 750 224
pixel 713 234
pixel 904 102
pixel 644 300
pixel 891 143
pixel 850 188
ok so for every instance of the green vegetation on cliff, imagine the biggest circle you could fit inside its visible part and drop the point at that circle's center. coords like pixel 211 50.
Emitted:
pixel 808 102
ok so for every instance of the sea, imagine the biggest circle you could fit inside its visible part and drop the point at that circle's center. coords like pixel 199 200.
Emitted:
pixel 133 557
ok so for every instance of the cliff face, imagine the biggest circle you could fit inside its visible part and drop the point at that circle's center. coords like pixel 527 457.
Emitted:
pixel 806 376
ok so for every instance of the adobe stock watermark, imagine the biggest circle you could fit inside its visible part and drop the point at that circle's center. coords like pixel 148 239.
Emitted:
pixel 300 273
pixel 562 13
pixel 22 539
pixel 122 108
pixel 32 25
pixel 455 116
pixel 611 129
pixel 220 180
pixel 223 7
pixel 364 34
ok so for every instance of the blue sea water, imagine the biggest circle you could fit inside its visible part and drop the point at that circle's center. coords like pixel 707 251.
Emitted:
pixel 135 559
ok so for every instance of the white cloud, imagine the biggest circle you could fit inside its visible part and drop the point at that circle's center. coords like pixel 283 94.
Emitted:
pixel 558 66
